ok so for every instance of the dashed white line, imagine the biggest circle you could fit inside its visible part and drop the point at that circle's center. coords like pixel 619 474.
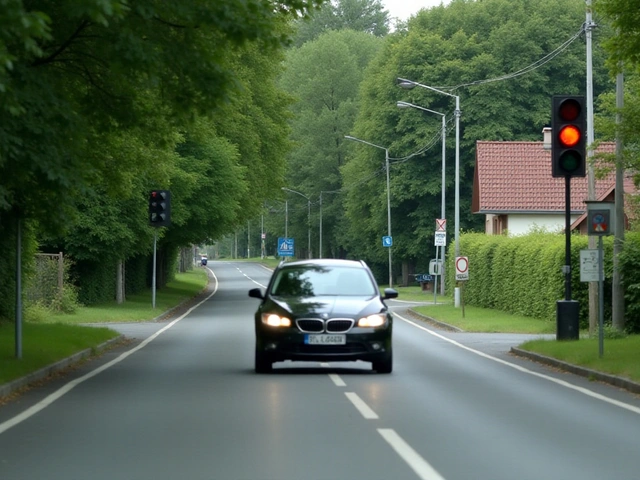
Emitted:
pixel 335 378
pixel 418 464
pixel 362 407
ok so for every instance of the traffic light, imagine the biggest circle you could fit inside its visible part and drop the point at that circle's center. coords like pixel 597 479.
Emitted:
pixel 160 208
pixel 568 153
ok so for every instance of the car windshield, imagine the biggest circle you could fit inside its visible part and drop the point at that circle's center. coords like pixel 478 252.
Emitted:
pixel 313 281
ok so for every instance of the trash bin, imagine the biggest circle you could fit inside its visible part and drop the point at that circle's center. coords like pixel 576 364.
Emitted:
pixel 567 320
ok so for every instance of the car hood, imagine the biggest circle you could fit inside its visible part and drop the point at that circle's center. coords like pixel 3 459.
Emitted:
pixel 330 305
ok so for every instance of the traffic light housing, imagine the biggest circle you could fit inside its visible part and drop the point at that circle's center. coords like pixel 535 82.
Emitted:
pixel 160 208
pixel 568 140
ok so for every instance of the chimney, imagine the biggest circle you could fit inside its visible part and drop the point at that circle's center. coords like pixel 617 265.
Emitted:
pixel 546 138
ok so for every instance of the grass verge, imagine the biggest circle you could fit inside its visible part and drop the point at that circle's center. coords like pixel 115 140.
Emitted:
pixel 44 344
pixel 620 354
pixel 138 307
pixel 60 336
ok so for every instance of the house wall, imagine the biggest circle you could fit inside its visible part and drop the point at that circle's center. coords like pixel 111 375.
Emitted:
pixel 522 224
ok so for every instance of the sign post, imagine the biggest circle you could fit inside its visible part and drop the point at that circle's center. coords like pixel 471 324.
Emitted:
pixel 600 216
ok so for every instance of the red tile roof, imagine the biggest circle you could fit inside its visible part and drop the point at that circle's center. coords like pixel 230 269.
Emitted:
pixel 515 177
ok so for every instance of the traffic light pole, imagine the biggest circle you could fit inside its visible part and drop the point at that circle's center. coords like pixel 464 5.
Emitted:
pixel 567 230
pixel 153 279
pixel 567 310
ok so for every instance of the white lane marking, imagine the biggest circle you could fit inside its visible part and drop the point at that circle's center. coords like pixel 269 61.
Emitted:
pixel 335 378
pixel 249 278
pixel 45 402
pixel 362 407
pixel 563 383
pixel 409 455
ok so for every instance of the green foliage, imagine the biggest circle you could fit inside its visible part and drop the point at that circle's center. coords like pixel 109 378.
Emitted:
pixel 367 16
pixel 629 260
pixel 523 275
pixel 455 48
pixel 324 76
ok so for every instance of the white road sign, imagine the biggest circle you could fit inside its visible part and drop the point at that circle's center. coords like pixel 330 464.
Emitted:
pixel 589 265
pixel 440 239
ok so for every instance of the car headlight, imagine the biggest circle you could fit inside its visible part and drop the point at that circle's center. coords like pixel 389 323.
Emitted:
pixel 274 320
pixel 372 320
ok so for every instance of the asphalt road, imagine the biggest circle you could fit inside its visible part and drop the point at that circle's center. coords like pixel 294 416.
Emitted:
pixel 182 402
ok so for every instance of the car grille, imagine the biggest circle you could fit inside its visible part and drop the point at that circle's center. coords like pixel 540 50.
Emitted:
pixel 339 325
pixel 310 325
pixel 316 325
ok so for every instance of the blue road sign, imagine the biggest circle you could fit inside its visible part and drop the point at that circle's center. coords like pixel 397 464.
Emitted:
pixel 285 247
pixel 387 241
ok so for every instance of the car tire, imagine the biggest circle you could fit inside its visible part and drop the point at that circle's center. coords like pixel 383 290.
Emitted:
pixel 263 364
pixel 384 365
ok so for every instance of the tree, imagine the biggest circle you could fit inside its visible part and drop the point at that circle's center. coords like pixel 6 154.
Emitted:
pixel 460 49
pixel 324 76
pixel 366 16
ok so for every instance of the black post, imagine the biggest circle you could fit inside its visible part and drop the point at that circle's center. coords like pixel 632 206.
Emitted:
pixel 567 310
pixel 18 332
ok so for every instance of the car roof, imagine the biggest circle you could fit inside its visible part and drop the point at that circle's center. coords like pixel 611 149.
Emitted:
pixel 324 262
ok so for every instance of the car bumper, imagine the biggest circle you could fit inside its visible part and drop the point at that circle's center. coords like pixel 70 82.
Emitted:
pixel 280 346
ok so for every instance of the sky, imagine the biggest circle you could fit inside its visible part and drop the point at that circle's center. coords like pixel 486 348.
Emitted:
pixel 403 9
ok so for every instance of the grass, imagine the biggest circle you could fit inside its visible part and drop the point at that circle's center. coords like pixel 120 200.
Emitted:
pixel 137 308
pixel 60 336
pixel 620 357
pixel 44 344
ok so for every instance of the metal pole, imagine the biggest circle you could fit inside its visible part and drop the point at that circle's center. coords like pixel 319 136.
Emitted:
pixel 18 333
pixel 248 240
pixel 386 154
pixel 153 279
pixel 309 229
pixel 320 249
pixel 457 187
pixel 286 219
pixel 567 250
pixel 442 206
pixel 601 297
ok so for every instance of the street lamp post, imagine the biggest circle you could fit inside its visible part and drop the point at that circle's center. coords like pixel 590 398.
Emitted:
pixel 409 84
pixel 442 202
pixel 386 156
pixel 308 218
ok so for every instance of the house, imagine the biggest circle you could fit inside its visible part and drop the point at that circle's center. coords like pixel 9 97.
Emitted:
pixel 514 190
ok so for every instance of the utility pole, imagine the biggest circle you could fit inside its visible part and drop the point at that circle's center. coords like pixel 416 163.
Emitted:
pixel 617 290
pixel 591 179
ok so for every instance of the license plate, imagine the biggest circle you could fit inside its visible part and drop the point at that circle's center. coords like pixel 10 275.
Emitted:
pixel 325 339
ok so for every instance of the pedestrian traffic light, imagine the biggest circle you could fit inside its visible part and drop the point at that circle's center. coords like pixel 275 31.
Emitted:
pixel 568 153
pixel 160 208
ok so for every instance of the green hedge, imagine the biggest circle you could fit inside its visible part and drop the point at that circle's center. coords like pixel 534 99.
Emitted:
pixel 523 274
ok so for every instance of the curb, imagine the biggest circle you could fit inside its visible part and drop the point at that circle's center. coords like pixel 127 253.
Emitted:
pixel 614 380
pixel 440 324
pixel 8 388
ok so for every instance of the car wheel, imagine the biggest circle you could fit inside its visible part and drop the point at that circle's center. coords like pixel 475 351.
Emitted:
pixel 384 365
pixel 263 364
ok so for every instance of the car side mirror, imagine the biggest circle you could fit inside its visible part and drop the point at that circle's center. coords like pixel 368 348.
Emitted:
pixel 256 293
pixel 390 293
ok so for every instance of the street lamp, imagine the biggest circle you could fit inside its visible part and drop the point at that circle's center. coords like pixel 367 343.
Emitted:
pixel 386 156
pixel 409 84
pixel 444 133
pixel 308 218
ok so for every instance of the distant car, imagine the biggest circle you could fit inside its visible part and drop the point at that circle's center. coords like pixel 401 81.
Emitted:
pixel 203 261
pixel 323 310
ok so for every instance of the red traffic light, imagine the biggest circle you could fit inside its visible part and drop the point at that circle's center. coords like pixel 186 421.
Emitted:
pixel 568 126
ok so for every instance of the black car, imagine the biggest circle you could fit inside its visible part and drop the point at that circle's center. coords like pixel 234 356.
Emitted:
pixel 323 310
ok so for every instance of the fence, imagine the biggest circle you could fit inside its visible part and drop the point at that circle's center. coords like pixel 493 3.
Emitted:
pixel 48 281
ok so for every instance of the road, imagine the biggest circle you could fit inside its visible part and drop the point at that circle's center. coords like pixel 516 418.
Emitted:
pixel 183 403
